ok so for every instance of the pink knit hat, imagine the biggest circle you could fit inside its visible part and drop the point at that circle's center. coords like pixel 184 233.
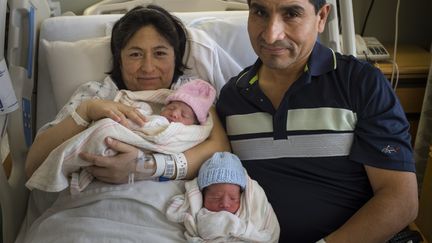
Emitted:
pixel 198 94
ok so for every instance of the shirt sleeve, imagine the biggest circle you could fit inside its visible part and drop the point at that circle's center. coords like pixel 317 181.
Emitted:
pixel 94 89
pixel 381 136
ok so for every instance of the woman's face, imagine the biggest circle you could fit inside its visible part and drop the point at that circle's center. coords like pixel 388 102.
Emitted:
pixel 147 61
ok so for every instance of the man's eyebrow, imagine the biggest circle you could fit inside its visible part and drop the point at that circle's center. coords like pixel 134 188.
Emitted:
pixel 286 8
pixel 294 7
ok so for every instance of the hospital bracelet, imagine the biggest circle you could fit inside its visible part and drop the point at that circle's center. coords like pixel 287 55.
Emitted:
pixel 181 164
pixel 166 163
pixel 78 119
pixel 160 164
pixel 170 165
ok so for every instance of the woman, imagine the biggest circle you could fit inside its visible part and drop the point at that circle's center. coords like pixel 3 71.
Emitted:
pixel 148 45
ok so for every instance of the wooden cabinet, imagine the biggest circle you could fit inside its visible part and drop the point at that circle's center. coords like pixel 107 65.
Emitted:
pixel 413 63
pixel 424 220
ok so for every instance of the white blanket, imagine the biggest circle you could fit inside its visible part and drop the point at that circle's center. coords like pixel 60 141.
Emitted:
pixel 53 174
pixel 255 221
pixel 110 213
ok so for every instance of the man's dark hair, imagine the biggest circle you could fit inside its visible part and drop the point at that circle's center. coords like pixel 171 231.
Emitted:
pixel 316 3
pixel 165 24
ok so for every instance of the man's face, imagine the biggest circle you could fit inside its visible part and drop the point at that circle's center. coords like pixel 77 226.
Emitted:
pixel 283 32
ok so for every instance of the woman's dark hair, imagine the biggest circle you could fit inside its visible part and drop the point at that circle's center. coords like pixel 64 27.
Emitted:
pixel 168 26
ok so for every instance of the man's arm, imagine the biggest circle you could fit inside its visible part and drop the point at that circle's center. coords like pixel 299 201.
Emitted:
pixel 393 206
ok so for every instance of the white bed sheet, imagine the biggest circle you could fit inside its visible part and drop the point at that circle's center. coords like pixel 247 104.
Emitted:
pixel 110 213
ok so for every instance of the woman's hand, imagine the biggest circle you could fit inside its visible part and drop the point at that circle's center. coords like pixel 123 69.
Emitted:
pixel 95 109
pixel 114 169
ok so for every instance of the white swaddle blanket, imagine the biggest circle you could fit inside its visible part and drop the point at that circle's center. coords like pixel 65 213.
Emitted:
pixel 156 135
pixel 255 221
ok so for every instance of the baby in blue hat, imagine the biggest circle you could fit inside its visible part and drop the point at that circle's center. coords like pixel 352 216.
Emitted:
pixel 224 205
pixel 222 179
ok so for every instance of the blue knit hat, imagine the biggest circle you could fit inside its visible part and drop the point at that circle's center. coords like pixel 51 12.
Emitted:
pixel 222 167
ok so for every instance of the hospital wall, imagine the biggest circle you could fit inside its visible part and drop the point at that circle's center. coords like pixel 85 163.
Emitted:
pixel 415 21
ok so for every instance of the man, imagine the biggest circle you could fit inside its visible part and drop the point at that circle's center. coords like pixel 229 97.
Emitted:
pixel 322 133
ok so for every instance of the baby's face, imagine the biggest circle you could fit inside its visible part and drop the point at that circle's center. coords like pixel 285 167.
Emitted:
pixel 222 197
pixel 177 111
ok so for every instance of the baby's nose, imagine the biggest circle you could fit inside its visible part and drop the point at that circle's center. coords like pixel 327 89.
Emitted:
pixel 176 113
pixel 225 203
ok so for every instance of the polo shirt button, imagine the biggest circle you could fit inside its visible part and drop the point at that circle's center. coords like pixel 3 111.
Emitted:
pixel 261 99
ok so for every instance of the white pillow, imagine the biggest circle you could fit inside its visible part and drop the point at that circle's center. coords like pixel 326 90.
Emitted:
pixel 71 64
pixel 231 34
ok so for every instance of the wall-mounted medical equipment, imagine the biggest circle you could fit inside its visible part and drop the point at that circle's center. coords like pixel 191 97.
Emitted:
pixel 8 100
pixel 341 37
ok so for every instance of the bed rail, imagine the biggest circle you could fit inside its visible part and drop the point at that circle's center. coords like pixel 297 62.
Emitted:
pixel 122 6
pixel 24 20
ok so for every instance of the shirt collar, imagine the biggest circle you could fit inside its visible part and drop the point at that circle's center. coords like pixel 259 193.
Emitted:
pixel 321 60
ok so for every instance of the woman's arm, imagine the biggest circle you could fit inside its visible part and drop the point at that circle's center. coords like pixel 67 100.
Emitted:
pixel 116 169
pixel 89 110
pixel 216 142
pixel 49 139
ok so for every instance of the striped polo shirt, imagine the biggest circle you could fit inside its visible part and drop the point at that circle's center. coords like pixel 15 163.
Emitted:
pixel 309 153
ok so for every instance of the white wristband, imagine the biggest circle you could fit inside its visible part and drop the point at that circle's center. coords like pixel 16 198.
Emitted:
pixel 160 164
pixel 78 119
pixel 181 164
pixel 169 169
pixel 321 241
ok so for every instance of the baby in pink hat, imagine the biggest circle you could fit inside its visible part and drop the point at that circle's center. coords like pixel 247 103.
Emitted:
pixel 190 104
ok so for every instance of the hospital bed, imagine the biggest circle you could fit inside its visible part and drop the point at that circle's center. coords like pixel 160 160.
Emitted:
pixel 44 83
pixel 45 76
pixel 122 6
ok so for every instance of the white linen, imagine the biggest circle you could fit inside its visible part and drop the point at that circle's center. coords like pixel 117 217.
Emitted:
pixel 207 60
pixel 72 63
pixel 255 221
pixel 40 201
pixel 158 135
pixel 110 213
